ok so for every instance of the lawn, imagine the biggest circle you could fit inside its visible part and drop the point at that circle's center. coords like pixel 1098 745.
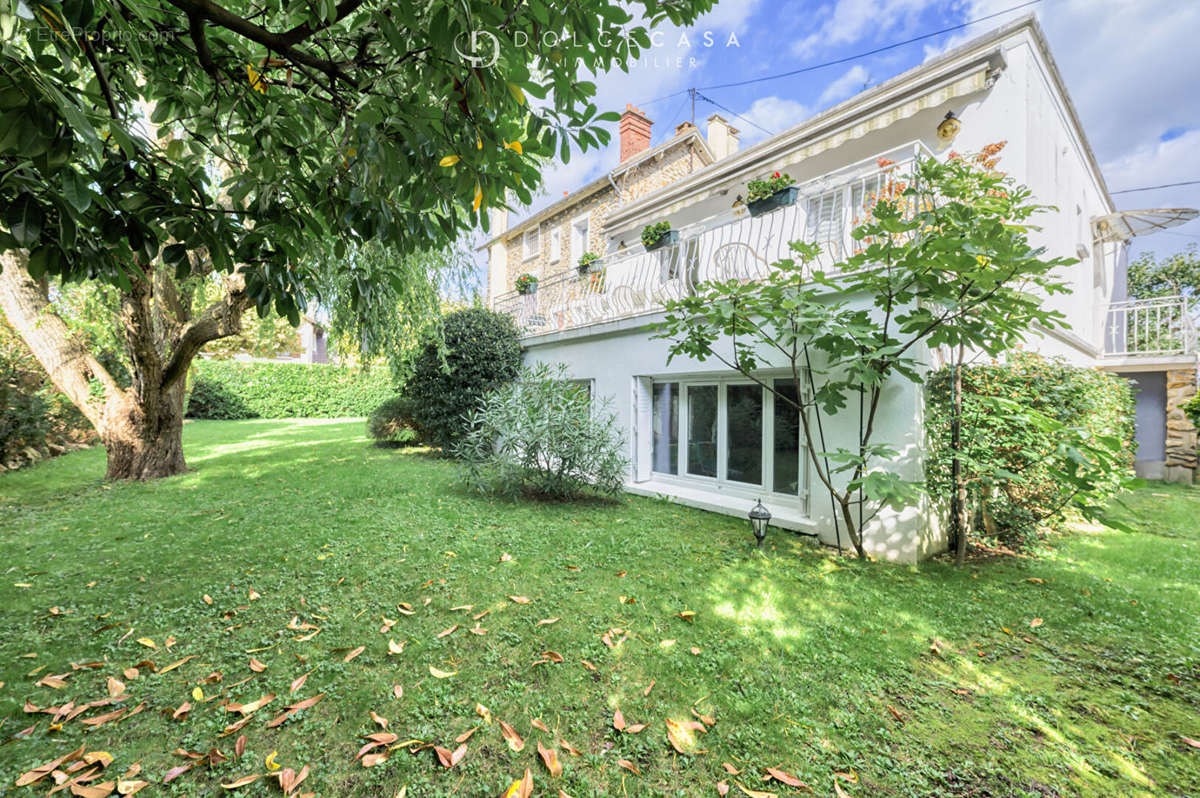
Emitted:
pixel 1074 673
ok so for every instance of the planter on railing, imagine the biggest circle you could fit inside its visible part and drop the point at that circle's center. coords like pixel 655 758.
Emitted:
pixel 780 199
pixel 667 238
pixel 590 263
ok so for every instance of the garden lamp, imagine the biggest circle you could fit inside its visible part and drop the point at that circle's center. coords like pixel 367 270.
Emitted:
pixel 760 518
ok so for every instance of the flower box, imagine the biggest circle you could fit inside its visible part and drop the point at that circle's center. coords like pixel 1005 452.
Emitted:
pixel 669 237
pixel 780 199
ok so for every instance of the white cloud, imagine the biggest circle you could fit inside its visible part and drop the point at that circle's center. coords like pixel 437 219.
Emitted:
pixel 776 114
pixel 1155 164
pixel 848 84
pixel 848 21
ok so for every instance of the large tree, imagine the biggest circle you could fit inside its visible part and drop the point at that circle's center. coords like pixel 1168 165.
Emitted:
pixel 146 144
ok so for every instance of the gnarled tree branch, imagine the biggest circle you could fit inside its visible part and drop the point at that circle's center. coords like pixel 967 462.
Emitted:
pixel 219 320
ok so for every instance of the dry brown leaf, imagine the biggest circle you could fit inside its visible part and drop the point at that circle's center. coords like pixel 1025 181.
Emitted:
pixel 787 778
pixel 687 615
pixel 511 737
pixel 731 769
pixel 649 687
pixel 298 682
pixel 588 665
pixel 131 786
pixel 176 772
pixel 618 720
pixel 130 673
pixel 257 666
pixel 506 557
pixel 722 788
pixel 572 750
pixel 254 595
pixel 1190 741
pixel 182 711
pixel 477 630
pixel 484 713
pixel 388 623
pixel 207 599
pixel 537 724
pixel 446 632
pixel 175 665
pixel 837 789
pixel 381 721
pixel 354 653
pixel 239 746
pixel 450 758
pixel 632 768
pixel 547 621
pixel 462 738
pixel 1035 580
pixel 755 793
pixel 550 759
pixel 438 673
pixel 1035 623
pixel 520 599
pixel 115 686
pixel 397 691
pixel 242 782
pixel 147 642
pixel 253 706
pixel 395 648
pixel 370 760
pixel 39 773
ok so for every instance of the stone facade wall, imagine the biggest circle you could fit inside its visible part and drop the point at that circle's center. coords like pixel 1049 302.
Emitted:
pixel 637 181
pixel 1181 435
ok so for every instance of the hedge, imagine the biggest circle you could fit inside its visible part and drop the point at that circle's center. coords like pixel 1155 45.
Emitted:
pixel 1013 466
pixel 230 389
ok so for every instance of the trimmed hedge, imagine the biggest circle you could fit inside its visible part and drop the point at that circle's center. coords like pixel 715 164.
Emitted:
pixel 230 389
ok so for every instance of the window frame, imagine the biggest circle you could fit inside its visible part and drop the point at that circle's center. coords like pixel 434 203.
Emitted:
pixel 586 218
pixel 555 248
pixel 536 232
pixel 721 482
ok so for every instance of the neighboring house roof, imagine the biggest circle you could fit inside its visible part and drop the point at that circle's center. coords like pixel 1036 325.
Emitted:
pixel 852 111
pixel 691 135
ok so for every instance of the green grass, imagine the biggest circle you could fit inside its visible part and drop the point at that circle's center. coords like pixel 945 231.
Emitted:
pixel 800 653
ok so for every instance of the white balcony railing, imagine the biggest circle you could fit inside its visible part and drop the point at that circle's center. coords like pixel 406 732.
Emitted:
pixel 1159 326
pixel 726 246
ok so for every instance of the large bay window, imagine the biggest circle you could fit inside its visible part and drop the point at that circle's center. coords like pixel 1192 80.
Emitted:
pixel 730 435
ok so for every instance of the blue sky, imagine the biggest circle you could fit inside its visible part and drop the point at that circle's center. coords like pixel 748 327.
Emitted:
pixel 1131 67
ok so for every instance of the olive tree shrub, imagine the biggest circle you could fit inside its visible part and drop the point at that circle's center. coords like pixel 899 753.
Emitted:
pixel 542 436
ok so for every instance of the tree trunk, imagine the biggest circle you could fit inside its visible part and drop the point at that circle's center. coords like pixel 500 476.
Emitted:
pixel 141 426
pixel 144 439
pixel 959 501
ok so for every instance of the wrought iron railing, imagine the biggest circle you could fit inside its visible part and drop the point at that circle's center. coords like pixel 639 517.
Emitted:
pixel 1159 326
pixel 730 245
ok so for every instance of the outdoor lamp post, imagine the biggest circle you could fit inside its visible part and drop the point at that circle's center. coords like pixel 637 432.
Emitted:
pixel 760 519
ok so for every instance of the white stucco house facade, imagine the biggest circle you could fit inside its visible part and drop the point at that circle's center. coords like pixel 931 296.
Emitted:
pixel 705 436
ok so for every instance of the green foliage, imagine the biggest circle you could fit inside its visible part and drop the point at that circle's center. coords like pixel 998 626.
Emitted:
pixel 391 424
pixel 525 283
pixel 761 189
pixel 1191 408
pixel 542 436
pixel 35 420
pixel 330 137
pixel 1039 437
pixel 943 259
pixel 587 259
pixel 651 233
pixel 229 389
pixel 1176 274
pixel 471 352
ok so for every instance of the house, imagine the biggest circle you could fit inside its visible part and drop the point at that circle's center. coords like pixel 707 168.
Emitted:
pixel 709 438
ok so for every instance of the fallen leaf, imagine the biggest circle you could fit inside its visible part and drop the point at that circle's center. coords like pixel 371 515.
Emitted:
pixel 446 632
pixel 731 769
pixel 687 615
pixel 370 760
pixel 722 788
pixel 618 720
pixel 115 686
pixel 298 683
pixel 254 595
pixel 462 738
pixel 147 642
pixel 197 694
pixel 787 778
pixel 395 648
pixel 257 666
pixel 242 782
pixel 1190 741
pixel 207 599
pixel 450 758
pixel 632 768
pixel 679 734
pixel 270 761
pixel 506 557
pixel 182 711
pixel 176 772
pixel 131 786
pixel 537 724
pixel 175 665
pixel 572 750
pixel 379 719
pixel 547 621
pixel 39 773
pixel 388 623
pixel 755 793
pixel 484 713
pixel 588 665
pixel 397 691
pixel 1035 623
pixel 895 713
pixel 239 746
pixel 649 687
pixel 438 673
pixel 837 789
pixel 550 759
pixel 354 653
pixel 520 599
pixel 511 737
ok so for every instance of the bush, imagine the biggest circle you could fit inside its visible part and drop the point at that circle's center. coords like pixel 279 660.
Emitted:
pixel 1038 436
pixel 1191 409
pixel 36 421
pixel 542 437
pixel 470 353
pixel 227 389
pixel 391 423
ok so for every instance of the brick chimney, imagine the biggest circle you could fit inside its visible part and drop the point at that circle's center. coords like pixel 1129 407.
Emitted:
pixel 635 132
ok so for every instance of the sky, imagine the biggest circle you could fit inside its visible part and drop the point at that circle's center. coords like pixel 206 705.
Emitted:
pixel 1131 68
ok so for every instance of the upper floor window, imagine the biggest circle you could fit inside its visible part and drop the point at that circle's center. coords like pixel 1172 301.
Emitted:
pixel 555 244
pixel 532 243
pixel 580 232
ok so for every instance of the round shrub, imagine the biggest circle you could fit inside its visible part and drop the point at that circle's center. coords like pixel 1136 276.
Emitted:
pixel 391 423
pixel 457 363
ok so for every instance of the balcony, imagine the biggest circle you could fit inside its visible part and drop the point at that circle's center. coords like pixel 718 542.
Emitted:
pixel 730 245
pixel 1159 327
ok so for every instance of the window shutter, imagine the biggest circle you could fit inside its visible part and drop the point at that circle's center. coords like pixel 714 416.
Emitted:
pixel 643 427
